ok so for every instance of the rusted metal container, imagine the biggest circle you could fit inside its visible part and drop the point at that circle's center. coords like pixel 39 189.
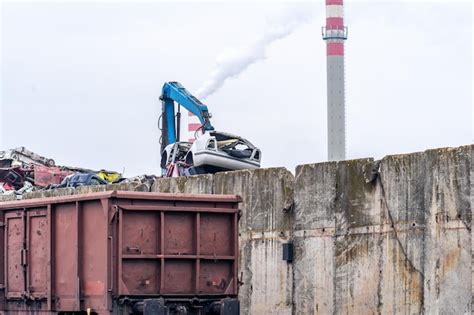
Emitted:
pixel 120 253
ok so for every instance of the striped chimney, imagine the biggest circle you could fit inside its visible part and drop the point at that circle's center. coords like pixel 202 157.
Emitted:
pixel 335 33
pixel 193 125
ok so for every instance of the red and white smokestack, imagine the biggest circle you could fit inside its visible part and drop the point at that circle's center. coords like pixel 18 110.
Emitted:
pixel 193 125
pixel 335 33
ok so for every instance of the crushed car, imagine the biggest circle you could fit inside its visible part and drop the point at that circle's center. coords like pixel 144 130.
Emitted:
pixel 211 152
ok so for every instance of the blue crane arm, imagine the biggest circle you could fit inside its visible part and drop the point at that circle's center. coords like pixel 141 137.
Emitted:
pixel 174 92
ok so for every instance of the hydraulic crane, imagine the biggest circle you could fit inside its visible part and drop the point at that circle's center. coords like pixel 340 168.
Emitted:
pixel 211 152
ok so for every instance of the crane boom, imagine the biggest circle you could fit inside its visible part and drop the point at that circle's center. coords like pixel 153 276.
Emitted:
pixel 174 92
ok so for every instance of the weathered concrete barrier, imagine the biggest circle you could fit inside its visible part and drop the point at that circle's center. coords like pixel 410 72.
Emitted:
pixel 392 236
pixel 389 236
pixel 398 242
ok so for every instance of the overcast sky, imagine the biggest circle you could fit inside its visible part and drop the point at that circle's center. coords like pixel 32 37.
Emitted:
pixel 80 81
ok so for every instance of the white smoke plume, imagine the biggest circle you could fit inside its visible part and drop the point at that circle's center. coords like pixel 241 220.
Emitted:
pixel 231 64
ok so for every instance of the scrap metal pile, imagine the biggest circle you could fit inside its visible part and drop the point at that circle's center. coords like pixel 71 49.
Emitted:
pixel 23 171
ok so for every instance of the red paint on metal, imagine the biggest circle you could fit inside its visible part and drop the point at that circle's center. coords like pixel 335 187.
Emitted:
pixel 44 175
pixel 332 2
pixel 20 204
pixel 334 23
pixel 335 49
pixel 14 256
pixel 89 249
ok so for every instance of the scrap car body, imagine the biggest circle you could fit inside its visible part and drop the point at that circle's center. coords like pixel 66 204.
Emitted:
pixel 223 150
pixel 211 152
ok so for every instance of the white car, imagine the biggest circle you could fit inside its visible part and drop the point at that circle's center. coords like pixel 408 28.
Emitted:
pixel 213 151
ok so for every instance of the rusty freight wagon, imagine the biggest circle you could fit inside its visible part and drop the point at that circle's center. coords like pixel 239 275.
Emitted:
pixel 120 253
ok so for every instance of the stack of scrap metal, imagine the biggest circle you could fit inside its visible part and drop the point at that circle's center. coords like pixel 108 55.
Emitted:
pixel 23 171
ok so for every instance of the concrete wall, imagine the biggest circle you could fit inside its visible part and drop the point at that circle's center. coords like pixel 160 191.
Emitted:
pixel 394 243
pixel 392 236
pixel 399 242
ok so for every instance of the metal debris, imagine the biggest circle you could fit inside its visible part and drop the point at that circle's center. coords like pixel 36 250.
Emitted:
pixel 23 171
pixel 22 156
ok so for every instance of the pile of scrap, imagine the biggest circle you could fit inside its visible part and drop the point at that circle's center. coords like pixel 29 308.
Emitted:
pixel 24 171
